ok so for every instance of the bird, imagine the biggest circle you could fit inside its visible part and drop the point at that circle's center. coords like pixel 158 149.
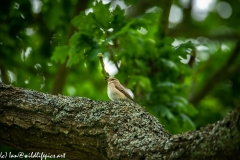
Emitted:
pixel 116 91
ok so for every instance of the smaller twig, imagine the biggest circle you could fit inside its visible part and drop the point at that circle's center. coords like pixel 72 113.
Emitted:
pixel 193 57
pixel 104 72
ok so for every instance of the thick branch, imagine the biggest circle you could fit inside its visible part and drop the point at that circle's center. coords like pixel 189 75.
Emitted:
pixel 87 129
pixel 140 8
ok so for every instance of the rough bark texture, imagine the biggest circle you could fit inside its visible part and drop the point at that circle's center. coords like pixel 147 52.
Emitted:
pixel 88 129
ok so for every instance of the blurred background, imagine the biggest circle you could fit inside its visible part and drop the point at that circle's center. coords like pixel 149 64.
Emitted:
pixel 180 58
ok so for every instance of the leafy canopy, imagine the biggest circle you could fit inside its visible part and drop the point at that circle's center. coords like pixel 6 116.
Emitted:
pixel 163 68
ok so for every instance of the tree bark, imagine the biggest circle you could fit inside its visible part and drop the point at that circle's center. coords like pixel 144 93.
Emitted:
pixel 87 129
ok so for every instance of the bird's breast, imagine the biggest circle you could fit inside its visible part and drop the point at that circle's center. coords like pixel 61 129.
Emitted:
pixel 113 93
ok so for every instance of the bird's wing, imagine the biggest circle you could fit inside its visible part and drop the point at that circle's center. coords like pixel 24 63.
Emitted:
pixel 123 90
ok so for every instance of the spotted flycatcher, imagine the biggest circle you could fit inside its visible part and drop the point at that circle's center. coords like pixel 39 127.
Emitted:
pixel 116 91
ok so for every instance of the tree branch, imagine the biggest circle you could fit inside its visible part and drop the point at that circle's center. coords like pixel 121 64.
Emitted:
pixel 140 8
pixel 104 72
pixel 3 74
pixel 163 22
pixel 62 70
pixel 88 129
pixel 217 77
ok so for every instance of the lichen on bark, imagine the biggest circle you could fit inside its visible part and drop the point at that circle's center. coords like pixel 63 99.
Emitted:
pixel 89 129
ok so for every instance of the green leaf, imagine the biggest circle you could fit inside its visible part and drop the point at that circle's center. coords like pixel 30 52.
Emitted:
pixel 129 40
pixel 166 84
pixel 74 57
pixel 169 63
pixel 143 82
pixel 179 98
pixel 191 110
pixel 74 40
pixel 92 54
pixel 183 105
pixel 102 15
pixel 85 23
pixel 184 47
pixel 165 112
pixel 139 63
pixel 125 29
pixel 187 122
pixel 60 54
pixel 110 38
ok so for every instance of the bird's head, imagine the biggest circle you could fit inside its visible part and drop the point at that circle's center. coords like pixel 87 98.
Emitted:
pixel 112 80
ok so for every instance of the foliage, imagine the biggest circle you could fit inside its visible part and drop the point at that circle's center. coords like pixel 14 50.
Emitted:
pixel 156 68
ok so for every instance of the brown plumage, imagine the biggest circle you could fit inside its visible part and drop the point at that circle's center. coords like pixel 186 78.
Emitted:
pixel 116 91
